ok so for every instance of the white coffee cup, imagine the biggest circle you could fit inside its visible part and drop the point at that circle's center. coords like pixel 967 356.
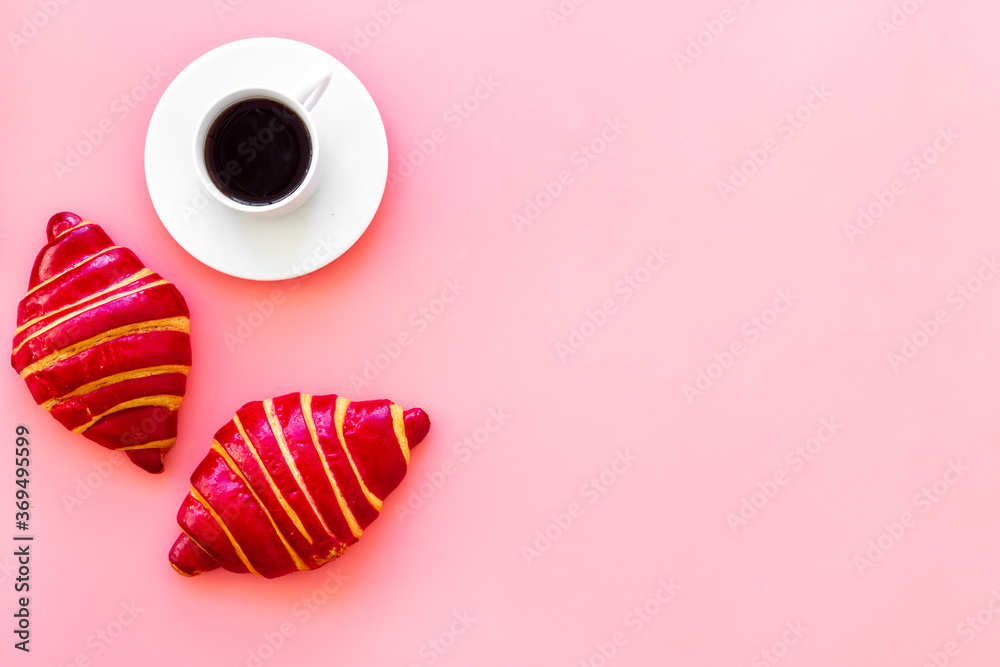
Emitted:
pixel 303 97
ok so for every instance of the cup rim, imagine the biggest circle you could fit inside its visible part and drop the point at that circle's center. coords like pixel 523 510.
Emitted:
pixel 225 101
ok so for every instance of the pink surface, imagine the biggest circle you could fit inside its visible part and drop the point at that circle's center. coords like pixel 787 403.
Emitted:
pixel 753 433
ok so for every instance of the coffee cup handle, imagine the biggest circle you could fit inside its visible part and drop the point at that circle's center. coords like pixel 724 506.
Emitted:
pixel 312 85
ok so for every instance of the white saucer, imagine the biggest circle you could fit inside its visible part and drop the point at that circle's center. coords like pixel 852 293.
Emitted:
pixel 354 152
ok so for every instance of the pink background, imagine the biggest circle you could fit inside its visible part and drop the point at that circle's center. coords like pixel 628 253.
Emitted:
pixel 790 580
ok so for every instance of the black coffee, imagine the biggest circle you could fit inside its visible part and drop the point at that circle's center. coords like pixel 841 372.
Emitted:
pixel 257 151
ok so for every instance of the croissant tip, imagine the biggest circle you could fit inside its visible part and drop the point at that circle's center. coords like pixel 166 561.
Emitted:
pixel 188 559
pixel 152 468
pixel 62 222
pixel 181 572
pixel 150 460
pixel 417 425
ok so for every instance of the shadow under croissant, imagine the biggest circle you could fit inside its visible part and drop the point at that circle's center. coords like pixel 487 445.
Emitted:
pixel 291 482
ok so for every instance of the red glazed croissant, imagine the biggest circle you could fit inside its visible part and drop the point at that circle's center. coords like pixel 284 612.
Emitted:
pixel 291 482
pixel 102 342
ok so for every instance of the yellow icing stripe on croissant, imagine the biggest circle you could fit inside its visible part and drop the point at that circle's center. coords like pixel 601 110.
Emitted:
pixel 127 280
pixel 306 402
pixel 83 223
pixel 92 306
pixel 217 448
pixel 119 377
pixel 71 267
pixel 400 430
pixel 267 475
pixel 279 435
pixel 167 401
pixel 181 324
pixel 218 519
pixel 338 422
pixel 185 574
pixel 156 444
pixel 334 552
